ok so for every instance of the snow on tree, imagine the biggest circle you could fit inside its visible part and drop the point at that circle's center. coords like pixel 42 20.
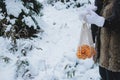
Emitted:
pixel 70 3
pixel 19 20
pixel 19 49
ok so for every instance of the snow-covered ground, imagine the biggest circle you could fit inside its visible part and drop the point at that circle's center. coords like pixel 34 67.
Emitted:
pixel 62 37
pixel 54 56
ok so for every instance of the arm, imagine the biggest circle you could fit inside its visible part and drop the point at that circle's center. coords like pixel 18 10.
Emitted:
pixel 114 20
pixel 94 28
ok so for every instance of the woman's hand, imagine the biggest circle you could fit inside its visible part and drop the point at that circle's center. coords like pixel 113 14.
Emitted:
pixel 93 18
pixel 85 10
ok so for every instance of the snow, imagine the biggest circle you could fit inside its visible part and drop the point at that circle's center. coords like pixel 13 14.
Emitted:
pixel 40 1
pixel 7 73
pixel 54 56
pixel 1 16
pixel 13 7
pixel 28 20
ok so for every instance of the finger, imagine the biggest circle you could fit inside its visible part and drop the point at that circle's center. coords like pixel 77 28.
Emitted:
pixel 92 12
pixel 83 14
pixel 88 18
pixel 91 7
